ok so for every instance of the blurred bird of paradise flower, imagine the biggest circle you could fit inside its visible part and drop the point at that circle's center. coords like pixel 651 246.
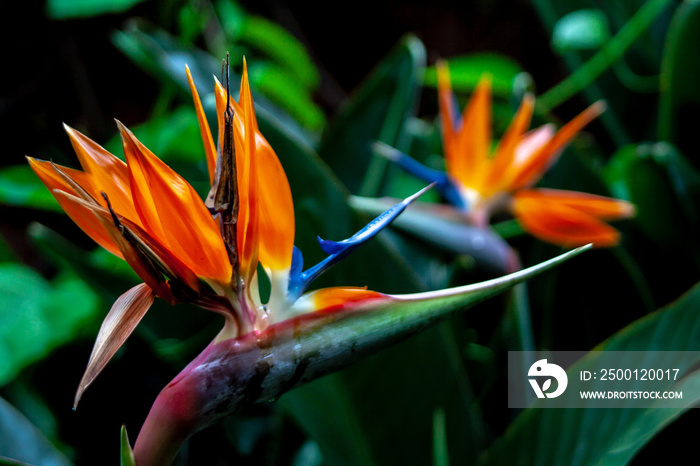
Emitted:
pixel 480 182
pixel 210 253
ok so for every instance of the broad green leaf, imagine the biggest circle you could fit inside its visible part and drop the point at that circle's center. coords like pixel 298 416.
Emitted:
pixel 613 436
pixel 467 70
pixel 68 9
pixel 377 111
pixel 38 315
pixel 22 443
pixel 679 103
pixel 127 455
pixel 580 30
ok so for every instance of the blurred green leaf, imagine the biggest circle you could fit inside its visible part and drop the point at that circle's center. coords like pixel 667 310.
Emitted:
pixel 282 48
pixel 38 315
pixel 68 9
pixel 281 88
pixel 580 30
pixel 467 70
pixel 665 188
pixel 6 252
pixel 377 111
pixel 127 455
pixel 679 105
pixel 22 443
pixel 613 436
pixel 165 57
pixel 102 272
pixel 20 187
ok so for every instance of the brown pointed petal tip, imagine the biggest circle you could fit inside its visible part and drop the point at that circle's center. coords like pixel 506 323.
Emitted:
pixel 127 311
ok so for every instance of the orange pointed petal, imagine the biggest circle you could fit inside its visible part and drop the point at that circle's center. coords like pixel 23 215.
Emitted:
pixel 276 209
pixel 205 131
pixel 248 183
pixel 143 268
pixel 173 213
pixel 108 173
pixel 501 169
pixel 466 143
pixel 601 207
pixel 472 157
pixel 126 312
pixel 532 169
pixel 566 221
pixel 84 218
pixel 448 112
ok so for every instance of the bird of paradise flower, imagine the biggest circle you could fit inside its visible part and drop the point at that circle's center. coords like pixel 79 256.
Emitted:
pixel 480 182
pixel 209 253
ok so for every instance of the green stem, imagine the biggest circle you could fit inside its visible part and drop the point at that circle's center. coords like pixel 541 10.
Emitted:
pixel 604 58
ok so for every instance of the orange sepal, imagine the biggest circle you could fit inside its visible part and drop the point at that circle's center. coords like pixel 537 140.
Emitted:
pixel 468 145
pixel 108 173
pixel 173 213
pixel 569 219
pixel 276 209
pixel 205 131
pixel 501 170
pixel 248 182
pixel 85 220
pixel 337 298
pixel 533 167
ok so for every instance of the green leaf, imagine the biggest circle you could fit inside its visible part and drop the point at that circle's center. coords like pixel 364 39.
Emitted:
pixel 466 71
pixel 613 436
pixel 102 272
pixel 20 187
pixel 38 315
pixel 280 87
pixel 581 30
pixel 165 57
pixel 22 443
pixel 127 454
pixel 377 111
pixel 282 48
pixel 665 188
pixel 68 9
pixel 679 103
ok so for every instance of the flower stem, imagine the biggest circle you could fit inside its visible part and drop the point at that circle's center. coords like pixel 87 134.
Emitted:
pixel 610 53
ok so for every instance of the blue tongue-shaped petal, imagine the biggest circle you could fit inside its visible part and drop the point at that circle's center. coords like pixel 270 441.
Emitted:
pixel 443 182
pixel 336 250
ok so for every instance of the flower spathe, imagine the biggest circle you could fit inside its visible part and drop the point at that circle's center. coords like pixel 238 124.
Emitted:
pixel 187 249
pixel 480 181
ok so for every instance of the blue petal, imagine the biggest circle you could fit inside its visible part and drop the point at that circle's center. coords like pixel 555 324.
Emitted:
pixel 445 185
pixel 336 250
